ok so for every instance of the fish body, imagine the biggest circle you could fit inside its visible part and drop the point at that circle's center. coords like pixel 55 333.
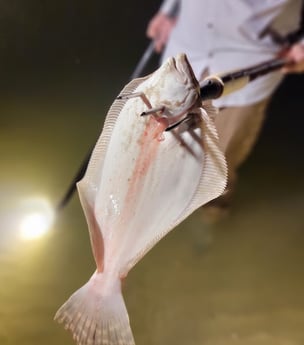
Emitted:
pixel 140 183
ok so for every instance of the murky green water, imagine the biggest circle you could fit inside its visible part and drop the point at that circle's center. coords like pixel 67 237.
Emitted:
pixel 238 282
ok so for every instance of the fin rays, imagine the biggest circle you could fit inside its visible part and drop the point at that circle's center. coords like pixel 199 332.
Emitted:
pixel 96 318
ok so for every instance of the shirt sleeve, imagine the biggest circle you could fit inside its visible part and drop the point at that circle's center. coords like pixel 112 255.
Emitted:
pixel 169 7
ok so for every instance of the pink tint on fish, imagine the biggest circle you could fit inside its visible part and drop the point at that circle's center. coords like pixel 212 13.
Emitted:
pixel 140 183
pixel 149 143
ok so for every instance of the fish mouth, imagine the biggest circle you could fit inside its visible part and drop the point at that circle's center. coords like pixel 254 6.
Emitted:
pixel 182 64
pixel 179 61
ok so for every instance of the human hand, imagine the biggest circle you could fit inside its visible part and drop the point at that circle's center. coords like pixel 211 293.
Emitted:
pixel 159 29
pixel 295 54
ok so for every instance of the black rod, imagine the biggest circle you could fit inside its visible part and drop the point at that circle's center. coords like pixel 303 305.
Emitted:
pixel 216 86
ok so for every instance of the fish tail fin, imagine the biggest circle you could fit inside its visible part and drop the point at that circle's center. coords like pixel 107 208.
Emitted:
pixel 96 314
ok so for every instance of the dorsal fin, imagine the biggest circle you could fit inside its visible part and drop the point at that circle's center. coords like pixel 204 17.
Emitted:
pixel 211 110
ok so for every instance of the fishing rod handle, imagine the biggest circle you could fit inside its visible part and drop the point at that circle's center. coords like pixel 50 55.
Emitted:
pixel 216 86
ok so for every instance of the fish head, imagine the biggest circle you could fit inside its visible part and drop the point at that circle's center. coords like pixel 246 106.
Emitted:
pixel 177 88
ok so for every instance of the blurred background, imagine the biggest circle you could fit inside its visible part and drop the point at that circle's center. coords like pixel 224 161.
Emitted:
pixel 240 281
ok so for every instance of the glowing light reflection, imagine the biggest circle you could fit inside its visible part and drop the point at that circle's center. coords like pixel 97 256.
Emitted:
pixel 38 219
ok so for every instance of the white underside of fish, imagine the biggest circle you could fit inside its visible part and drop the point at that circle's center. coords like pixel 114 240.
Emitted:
pixel 140 183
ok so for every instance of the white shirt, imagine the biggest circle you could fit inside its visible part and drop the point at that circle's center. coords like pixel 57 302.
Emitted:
pixel 223 35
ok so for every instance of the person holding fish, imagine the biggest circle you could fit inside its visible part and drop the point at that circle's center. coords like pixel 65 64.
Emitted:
pixel 220 36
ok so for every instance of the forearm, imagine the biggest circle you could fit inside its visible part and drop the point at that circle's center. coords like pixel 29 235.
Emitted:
pixel 160 26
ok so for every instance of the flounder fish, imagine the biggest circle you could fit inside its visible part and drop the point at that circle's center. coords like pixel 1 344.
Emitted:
pixel 156 161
